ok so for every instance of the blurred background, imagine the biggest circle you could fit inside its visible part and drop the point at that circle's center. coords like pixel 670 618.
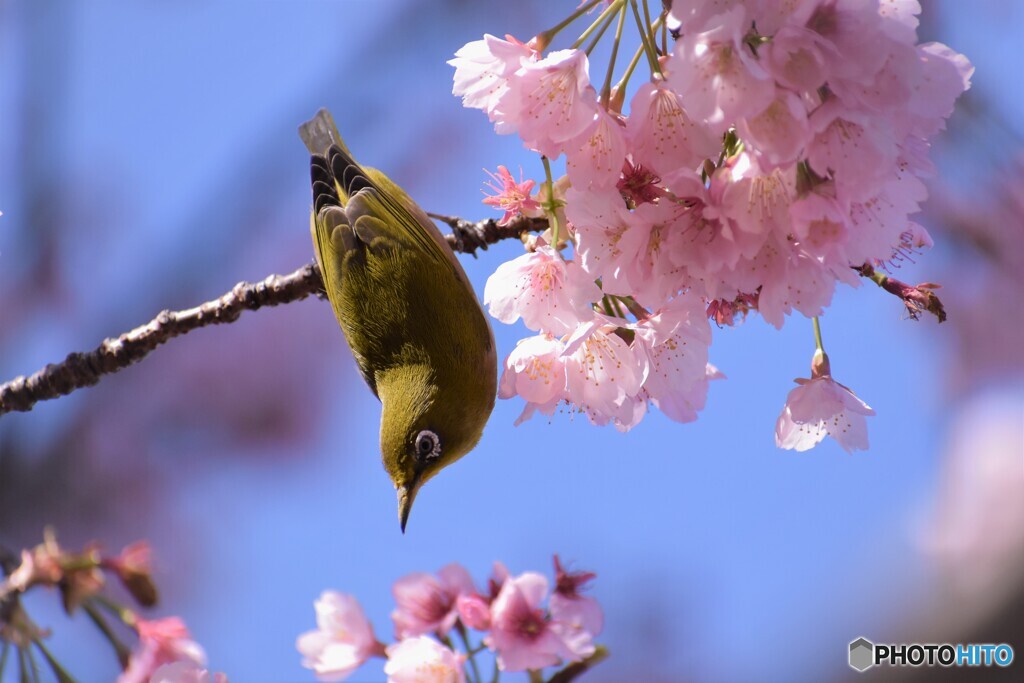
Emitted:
pixel 149 159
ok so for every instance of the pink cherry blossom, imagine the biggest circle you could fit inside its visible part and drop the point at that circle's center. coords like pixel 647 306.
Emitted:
pixel 676 340
pixel 423 660
pixel 716 74
pixel 535 370
pixel 511 197
pixel 606 242
pixel 185 672
pixel 520 633
pixel 822 407
pixel 551 102
pixel 779 147
pixel 342 641
pixel 638 184
pixel 662 135
pixel 474 611
pixel 577 617
pixel 604 374
pixel 482 71
pixel 794 58
pixel 595 158
pixel 427 604
pixel 780 131
pixel 547 292
pixel 163 641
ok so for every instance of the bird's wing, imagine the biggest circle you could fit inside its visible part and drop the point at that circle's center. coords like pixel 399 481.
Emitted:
pixel 369 194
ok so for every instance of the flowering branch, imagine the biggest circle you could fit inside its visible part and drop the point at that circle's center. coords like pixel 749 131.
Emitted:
pixel 916 299
pixel 165 650
pixel 83 369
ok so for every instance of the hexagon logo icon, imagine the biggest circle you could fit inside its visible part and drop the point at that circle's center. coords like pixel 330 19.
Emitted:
pixel 862 654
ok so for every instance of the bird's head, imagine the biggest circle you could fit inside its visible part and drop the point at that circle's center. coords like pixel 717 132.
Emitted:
pixel 425 426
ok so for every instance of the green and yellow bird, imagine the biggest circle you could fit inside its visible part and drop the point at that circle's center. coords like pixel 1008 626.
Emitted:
pixel 408 311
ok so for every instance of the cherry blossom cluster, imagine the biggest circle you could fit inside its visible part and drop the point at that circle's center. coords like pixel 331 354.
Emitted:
pixel 165 652
pixel 774 150
pixel 523 634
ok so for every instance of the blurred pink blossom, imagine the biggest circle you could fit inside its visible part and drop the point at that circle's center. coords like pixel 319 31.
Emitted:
pixel 577 617
pixel 342 641
pixel 164 641
pixel 520 634
pixel 427 604
pixel 185 672
pixel 474 611
pixel 423 660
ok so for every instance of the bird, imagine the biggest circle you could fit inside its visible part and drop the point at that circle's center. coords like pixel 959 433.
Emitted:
pixel 407 309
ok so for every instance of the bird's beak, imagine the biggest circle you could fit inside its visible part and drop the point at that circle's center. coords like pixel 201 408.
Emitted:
pixel 406 496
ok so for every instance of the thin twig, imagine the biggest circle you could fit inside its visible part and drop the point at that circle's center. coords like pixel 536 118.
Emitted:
pixel 116 353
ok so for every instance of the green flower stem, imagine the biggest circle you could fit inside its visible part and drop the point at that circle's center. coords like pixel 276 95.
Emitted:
pixel 544 37
pixel 597 37
pixel 535 676
pixel 618 308
pixel 601 22
pixel 551 205
pixel 817 334
pixel 470 652
pixel 647 22
pixel 624 81
pixel 120 649
pixel 62 675
pixel 634 307
pixel 34 663
pixel 606 89
pixel 23 674
pixel 645 38
pixel 3 656
pixel 125 615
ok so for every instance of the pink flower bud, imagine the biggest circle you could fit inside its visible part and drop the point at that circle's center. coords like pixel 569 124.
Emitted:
pixel 474 612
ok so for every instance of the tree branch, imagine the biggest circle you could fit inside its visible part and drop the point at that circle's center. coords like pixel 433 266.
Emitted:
pixel 116 353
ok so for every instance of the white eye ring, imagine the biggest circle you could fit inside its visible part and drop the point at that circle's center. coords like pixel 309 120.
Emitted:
pixel 428 445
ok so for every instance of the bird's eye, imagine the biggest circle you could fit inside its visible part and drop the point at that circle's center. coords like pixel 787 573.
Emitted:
pixel 428 446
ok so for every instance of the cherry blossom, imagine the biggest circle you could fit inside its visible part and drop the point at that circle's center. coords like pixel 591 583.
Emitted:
pixel 163 641
pixel 427 604
pixel 676 340
pixel 343 640
pixel 520 633
pixel 511 197
pixel 577 617
pixel 185 672
pixel 774 152
pixel 821 407
pixel 550 102
pixel 535 370
pixel 547 292
pixel 423 660
pixel 604 374
pixel 482 72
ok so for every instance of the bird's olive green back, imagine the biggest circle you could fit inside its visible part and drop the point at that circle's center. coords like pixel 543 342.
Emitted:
pixel 415 327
